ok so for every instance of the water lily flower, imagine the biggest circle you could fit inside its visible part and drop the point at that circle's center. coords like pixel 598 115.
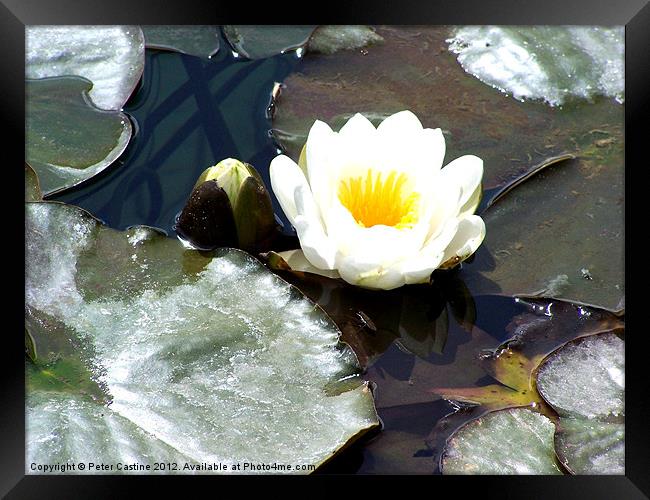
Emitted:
pixel 375 206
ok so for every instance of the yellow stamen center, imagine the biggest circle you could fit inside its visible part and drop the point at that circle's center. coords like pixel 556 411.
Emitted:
pixel 379 199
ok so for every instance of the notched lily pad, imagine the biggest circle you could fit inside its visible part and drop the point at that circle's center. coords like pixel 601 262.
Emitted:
pixel 514 441
pixel 111 57
pixel 68 139
pixel 202 41
pixel 226 351
pixel 258 42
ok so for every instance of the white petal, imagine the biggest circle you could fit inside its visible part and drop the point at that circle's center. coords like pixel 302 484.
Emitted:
pixel 285 177
pixel 432 149
pixel 470 234
pixel 358 127
pixel 404 123
pixel 359 274
pixel 321 165
pixel 297 262
pixel 467 172
pixel 472 204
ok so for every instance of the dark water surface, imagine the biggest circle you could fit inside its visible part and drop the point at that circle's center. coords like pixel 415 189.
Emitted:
pixel 189 113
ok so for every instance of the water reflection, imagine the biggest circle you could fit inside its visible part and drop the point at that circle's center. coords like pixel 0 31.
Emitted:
pixel 189 113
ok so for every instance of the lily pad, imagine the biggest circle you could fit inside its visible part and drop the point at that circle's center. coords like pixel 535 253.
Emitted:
pixel 585 382
pixel 553 63
pixel 258 42
pixel 332 38
pixel 202 41
pixel 68 139
pixel 515 441
pixel 536 334
pixel 214 360
pixel 111 57
pixel 529 235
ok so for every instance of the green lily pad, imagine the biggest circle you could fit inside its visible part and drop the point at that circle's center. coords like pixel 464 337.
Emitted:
pixel 215 360
pixel 258 42
pixel 201 41
pixel 32 186
pixel 515 441
pixel 68 139
pixel 111 57
pixel 541 235
pixel 553 63
pixel 331 39
pixel 585 383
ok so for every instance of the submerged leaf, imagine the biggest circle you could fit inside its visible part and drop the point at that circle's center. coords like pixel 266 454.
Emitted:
pixel 228 352
pixel 111 57
pixel 32 186
pixel 202 41
pixel 515 441
pixel 68 140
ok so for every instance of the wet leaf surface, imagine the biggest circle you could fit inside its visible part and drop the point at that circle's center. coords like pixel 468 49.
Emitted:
pixel 494 444
pixel 111 57
pixel 332 38
pixel 584 382
pixel 530 223
pixel 68 140
pixel 196 40
pixel 176 352
pixel 258 42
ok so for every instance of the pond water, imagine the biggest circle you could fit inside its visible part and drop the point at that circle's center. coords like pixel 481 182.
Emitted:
pixel 189 113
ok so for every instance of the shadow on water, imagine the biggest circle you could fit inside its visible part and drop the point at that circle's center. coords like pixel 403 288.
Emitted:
pixel 188 113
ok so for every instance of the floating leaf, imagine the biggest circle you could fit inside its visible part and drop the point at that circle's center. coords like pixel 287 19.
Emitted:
pixel 68 139
pixel 111 57
pixel 553 63
pixel 258 42
pixel 591 446
pixel 586 378
pixel 529 237
pixel 585 382
pixel 32 186
pixel 223 350
pixel 331 39
pixel 515 441
pixel 548 325
pixel 202 41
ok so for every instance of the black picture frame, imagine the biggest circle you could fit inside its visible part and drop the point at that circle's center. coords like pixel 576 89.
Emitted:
pixel 634 14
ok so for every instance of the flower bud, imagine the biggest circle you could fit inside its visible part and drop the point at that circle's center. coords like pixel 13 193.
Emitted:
pixel 230 174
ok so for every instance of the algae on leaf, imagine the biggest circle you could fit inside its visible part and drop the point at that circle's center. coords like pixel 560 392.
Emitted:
pixel 214 360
